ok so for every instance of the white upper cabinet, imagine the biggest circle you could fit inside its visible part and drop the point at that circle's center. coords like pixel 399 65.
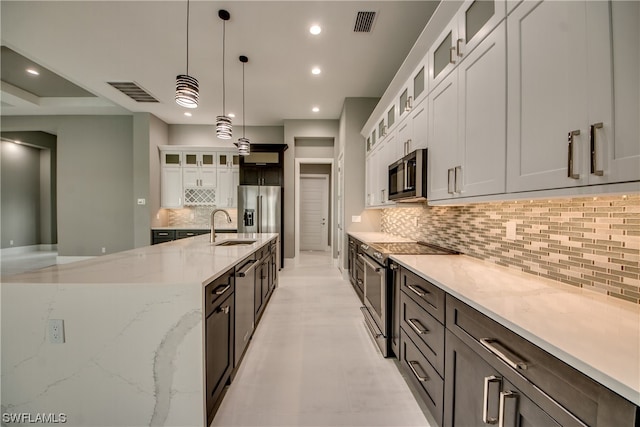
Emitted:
pixel 562 131
pixel 615 147
pixel 467 124
pixel 171 179
pixel 228 179
pixel 473 22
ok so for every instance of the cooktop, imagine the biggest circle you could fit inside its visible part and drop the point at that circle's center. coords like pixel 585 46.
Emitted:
pixel 411 248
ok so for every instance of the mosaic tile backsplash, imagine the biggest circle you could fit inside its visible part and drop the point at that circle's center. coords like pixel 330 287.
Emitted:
pixel 199 217
pixel 590 242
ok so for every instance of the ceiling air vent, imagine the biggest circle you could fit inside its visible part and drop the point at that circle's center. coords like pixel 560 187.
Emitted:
pixel 364 22
pixel 133 91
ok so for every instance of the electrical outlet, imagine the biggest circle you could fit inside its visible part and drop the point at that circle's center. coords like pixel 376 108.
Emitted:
pixel 10 242
pixel 104 250
pixel 56 331
pixel 415 221
pixel 356 218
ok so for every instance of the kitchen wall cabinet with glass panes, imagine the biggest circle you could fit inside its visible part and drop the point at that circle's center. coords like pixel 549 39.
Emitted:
pixel 472 23
pixel 228 169
pixel 574 116
pixel 199 178
pixel 410 98
pixel 467 124
pixel 171 179
pixel 377 172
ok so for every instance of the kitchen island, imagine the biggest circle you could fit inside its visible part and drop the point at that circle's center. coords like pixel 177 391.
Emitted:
pixel 134 330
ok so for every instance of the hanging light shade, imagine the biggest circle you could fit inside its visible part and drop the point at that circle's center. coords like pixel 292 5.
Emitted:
pixel 244 145
pixel 187 89
pixel 223 122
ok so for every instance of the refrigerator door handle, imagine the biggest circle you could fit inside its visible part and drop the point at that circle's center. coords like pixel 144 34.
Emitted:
pixel 259 212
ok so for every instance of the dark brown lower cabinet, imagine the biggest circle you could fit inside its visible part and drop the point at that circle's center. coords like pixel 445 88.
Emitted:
pixel 219 331
pixel 474 391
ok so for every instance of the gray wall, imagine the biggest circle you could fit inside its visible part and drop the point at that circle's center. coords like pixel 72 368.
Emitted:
pixel 355 113
pixel 20 195
pixel 94 180
pixel 206 135
pixel 158 135
pixel 16 223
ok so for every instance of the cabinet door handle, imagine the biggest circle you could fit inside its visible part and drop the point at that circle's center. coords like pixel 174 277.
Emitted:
pixel 412 365
pixel 486 418
pixel 417 326
pixel 458 47
pixel 570 173
pixel 418 290
pixel 452 59
pixel 224 310
pixel 594 158
pixel 458 185
pixel 505 354
pixel 450 190
pixel 409 104
pixel 504 397
pixel 221 289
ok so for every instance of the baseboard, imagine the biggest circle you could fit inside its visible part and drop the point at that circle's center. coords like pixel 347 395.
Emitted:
pixel 21 250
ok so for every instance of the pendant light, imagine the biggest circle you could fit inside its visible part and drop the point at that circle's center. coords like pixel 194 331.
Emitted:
pixel 244 145
pixel 223 122
pixel 186 85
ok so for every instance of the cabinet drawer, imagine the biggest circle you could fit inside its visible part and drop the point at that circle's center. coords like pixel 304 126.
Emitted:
pixel 568 389
pixel 182 234
pixel 427 295
pixel 218 290
pixel 425 331
pixel 161 236
pixel 423 376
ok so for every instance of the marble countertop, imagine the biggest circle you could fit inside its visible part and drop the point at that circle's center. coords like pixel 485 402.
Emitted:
pixel 594 333
pixel 184 261
pixel 191 227
pixel 377 237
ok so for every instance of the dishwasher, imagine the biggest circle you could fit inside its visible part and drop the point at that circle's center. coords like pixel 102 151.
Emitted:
pixel 245 289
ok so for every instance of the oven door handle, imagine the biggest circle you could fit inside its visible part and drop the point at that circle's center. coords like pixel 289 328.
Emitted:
pixel 375 268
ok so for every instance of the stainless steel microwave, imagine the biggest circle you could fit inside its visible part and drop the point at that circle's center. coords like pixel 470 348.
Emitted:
pixel 408 177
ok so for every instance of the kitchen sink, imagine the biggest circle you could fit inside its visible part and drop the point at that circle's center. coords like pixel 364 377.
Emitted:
pixel 235 242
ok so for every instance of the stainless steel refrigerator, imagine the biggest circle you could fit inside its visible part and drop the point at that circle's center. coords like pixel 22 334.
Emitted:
pixel 259 209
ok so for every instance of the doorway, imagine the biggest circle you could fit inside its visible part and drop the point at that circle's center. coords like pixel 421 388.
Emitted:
pixel 314 177
pixel 314 212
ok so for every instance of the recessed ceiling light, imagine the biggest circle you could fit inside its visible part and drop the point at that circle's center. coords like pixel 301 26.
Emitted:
pixel 231 115
pixel 315 109
pixel 315 30
pixel 33 72
pixel 188 114
pixel 316 70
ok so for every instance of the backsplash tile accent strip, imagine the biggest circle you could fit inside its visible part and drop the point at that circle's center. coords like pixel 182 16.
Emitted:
pixel 590 242
pixel 199 217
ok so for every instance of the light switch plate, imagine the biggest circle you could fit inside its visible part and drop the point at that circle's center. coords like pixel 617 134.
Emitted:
pixel 142 201
pixel 356 218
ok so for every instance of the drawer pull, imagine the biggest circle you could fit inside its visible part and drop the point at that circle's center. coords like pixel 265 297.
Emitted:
pixel 418 290
pixel 163 234
pixel 506 355
pixel 417 326
pixel 504 397
pixel 485 407
pixel 221 289
pixel 412 365
pixel 373 329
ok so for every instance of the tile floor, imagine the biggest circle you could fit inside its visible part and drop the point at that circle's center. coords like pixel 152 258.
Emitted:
pixel 311 361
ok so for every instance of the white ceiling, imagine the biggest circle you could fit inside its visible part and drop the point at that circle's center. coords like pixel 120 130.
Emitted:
pixel 93 42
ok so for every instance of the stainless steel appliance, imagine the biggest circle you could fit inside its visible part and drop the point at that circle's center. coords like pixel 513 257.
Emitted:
pixel 378 285
pixel 244 319
pixel 259 209
pixel 408 177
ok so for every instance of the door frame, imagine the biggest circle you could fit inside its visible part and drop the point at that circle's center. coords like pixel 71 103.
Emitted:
pixel 326 181
pixel 316 161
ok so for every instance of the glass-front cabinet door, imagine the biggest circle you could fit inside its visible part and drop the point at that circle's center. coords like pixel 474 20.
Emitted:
pixel 171 158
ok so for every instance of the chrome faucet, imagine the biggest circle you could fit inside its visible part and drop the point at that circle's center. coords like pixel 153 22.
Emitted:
pixel 213 229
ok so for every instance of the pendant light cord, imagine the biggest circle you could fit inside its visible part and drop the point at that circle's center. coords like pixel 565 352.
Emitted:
pixel 187 37
pixel 243 126
pixel 224 113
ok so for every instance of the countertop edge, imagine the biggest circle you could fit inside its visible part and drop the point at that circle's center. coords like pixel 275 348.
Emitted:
pixel 591 371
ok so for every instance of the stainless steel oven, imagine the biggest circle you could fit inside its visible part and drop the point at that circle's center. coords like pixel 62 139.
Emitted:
pixel 375 299
pixel 378 286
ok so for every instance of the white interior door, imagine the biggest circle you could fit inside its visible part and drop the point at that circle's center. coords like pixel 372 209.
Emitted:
pixel 314 212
